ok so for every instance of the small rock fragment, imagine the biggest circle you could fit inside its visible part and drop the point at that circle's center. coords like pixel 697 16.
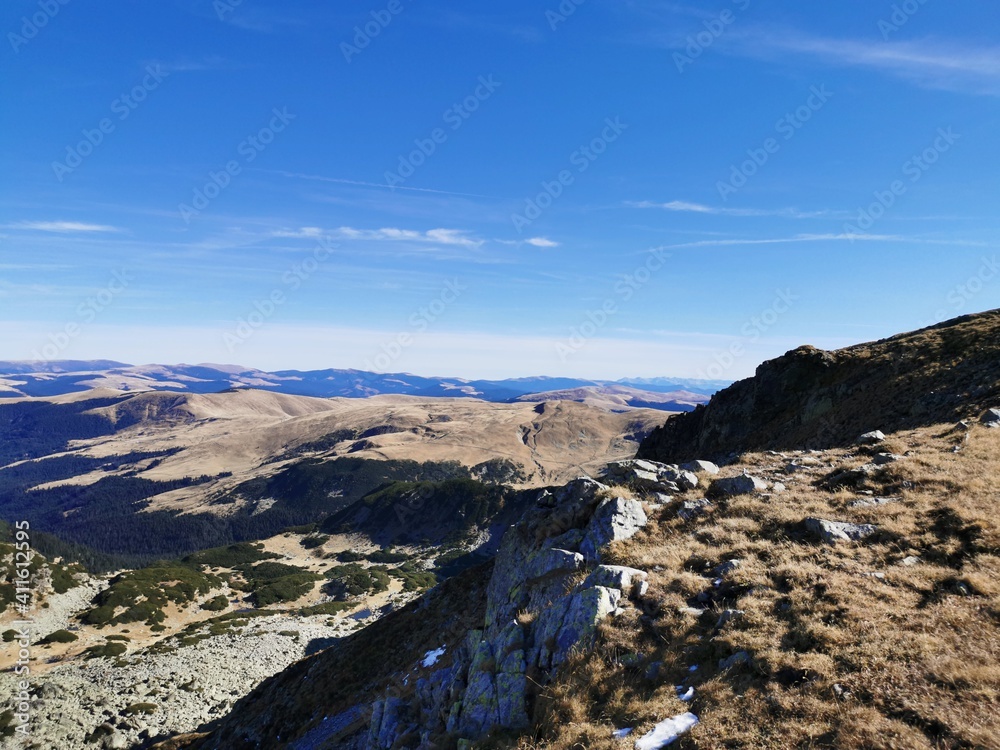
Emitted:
pixel 737 659
pixel 870 438
pixel 744 484
pixel 839 531
pixel 691 508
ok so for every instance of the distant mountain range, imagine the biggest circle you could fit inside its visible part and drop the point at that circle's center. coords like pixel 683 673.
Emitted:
pixel 42 379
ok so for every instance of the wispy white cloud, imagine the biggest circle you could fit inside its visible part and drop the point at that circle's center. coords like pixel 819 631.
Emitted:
pixel 829 237
pixel 532 241
pixel 361 183
pixel 698 208
pixel 450 237
pixel 541 242
pixel 927 63
pixel 61 227
pixel 935 63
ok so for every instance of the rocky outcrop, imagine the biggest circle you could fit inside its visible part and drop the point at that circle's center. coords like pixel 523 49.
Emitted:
pixel 820 399
pixel 535 618
pixel 652 476
pixel 546 597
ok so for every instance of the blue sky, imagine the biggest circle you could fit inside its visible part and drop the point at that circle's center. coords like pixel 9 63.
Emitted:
pixel 601 189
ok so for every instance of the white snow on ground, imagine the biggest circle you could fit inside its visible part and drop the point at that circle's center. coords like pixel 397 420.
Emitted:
pixel 666 732
pixel 620 733
pixel 431 657
pixel 685 695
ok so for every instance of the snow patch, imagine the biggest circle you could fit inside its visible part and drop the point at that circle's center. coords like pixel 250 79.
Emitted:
pixel 666 732
pixel 431 657
pixel 622 733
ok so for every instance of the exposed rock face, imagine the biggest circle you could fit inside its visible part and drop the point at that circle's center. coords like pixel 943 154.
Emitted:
pixel 615 520
pixel 819 399
pixel 487 684
pixel 546 597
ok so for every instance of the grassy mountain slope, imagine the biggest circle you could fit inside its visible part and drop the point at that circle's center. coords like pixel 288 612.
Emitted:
pixel 819 399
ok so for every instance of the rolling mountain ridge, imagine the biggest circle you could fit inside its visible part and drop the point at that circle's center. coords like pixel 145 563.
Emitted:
pixel 41 379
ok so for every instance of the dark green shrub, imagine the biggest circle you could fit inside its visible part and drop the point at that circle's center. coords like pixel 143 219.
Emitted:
pixel 216 604
pixel 59 636
pixel 106 651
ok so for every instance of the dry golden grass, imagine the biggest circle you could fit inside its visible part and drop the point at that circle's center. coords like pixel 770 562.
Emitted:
pixel 839 657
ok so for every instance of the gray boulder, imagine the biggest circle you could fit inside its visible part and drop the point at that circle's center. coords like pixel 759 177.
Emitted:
pixel 744 484
pixel 686 480
pixel 839 531
pixel 626 580
pixel 870 438
pixel 550 561
pixel 991 418
pixel 615 520
pixel 701 467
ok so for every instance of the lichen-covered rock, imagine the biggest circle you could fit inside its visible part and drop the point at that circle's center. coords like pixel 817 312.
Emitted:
pixel 569 623
pixel 387 719
pixel 626 580
pixel 552 561
pixel 535 618
pixel 615 519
